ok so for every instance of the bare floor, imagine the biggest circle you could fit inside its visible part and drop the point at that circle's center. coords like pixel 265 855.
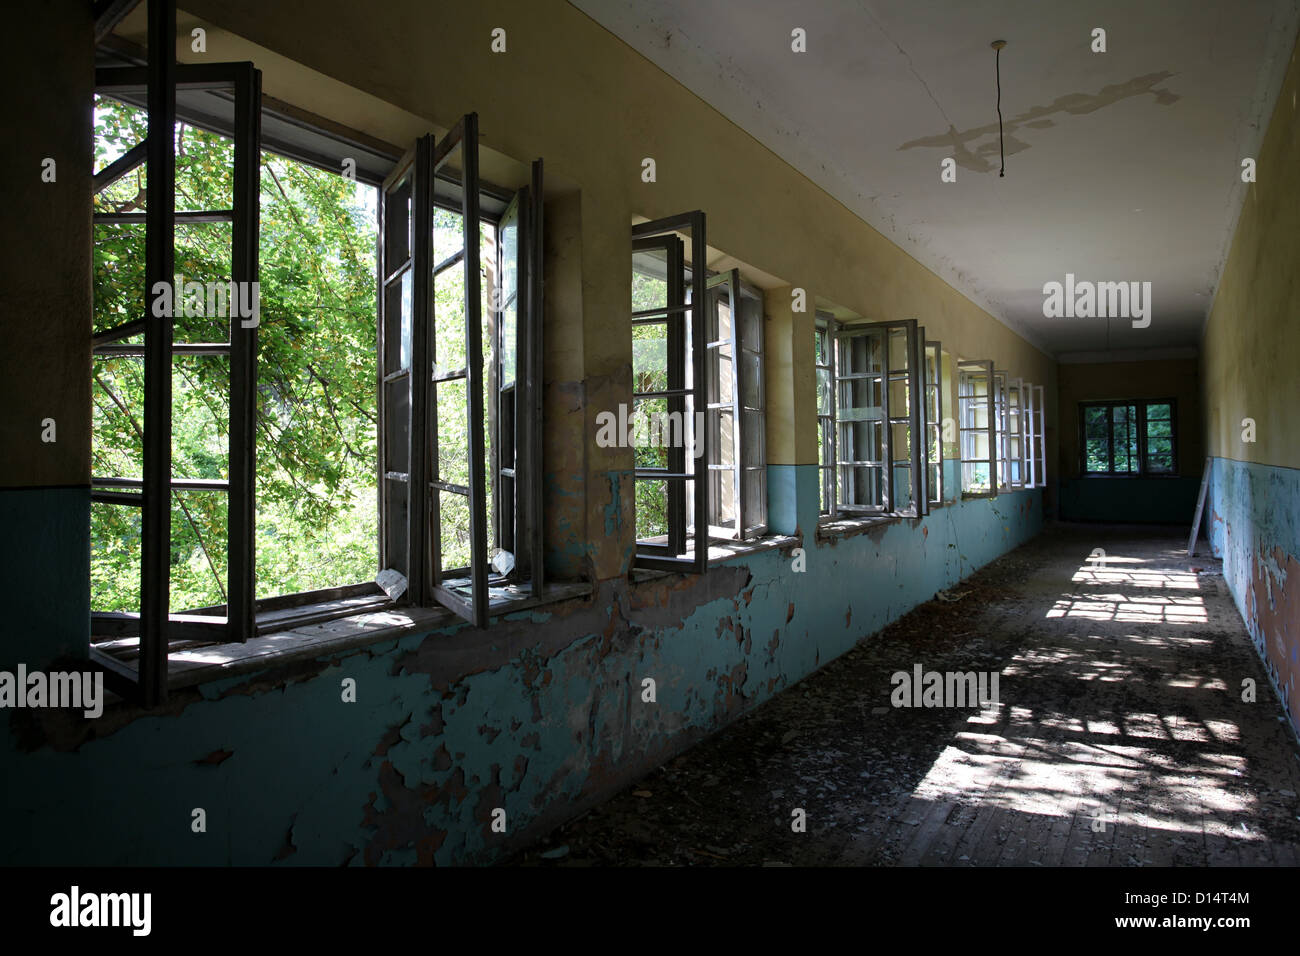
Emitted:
pixel 1120 737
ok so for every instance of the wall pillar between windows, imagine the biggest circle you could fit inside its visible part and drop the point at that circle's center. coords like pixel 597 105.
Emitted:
pixel 45 296
pixel 791 398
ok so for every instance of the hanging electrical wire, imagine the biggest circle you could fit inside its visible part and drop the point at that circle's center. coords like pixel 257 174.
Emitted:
pixel 997 60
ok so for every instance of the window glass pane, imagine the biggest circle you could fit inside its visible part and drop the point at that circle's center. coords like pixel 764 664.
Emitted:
pixel 823 391
pixel 453 529
pixel 198 548
pixel 448 235
pixel 649 282
pixel 751 324
pixel 117 396
pixel 201 416
pixel 898 354
pixel 751 447
pixel 651 509
pixel 508 332
pixel 115 537
pixel 751 371
pixel 725 392
pixel 650 357
pixel 754 491
pixel 451 455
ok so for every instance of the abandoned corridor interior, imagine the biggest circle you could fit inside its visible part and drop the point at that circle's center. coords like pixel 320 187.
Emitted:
pixel 573 433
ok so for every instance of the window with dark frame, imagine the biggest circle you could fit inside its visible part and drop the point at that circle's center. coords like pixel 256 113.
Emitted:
pixel 824 369
pixel 1128 437
pixel 494 331
pixel 933 379
pixel 873 396
pixel 446 337
pixel 670 382
pixel 735 415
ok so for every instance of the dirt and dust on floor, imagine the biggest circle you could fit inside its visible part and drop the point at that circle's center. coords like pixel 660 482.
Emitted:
pixel 1120 736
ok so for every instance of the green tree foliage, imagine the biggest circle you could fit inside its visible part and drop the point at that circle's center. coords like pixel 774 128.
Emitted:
pixel 317 521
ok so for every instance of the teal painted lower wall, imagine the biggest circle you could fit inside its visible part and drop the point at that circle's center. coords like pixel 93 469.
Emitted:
pixel 1253 521
pixel 541 715
pixel 45 564
pixel 1125 500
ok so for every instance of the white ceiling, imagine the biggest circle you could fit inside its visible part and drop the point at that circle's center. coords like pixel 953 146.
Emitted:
pixel 1122 165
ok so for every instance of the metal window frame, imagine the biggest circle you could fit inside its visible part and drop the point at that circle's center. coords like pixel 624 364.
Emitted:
pixel 913 376
pixel 827 325
pixel 1029 441
pixel 425 167
pixel 1015 433
pixel 672 557
pixel 518 520
pixel 1041 473
pixel 1002 482
pixel 156 624
pixel 966 369
pixel 933 427
pixel 739 295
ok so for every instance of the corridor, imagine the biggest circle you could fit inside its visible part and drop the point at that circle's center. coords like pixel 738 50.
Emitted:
pixel 1120 736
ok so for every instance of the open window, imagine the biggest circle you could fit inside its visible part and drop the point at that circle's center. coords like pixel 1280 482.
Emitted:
pixel 1030 465
pixel 1001 432
pixel 1015 434
pixel 934 422
pixel 1040 439
pixel 459 480
pixel 878 414
pixel 186 347
pixel 825 328
pixel 180 483
pixel 977 430
pixel 672 441
pixel 735 416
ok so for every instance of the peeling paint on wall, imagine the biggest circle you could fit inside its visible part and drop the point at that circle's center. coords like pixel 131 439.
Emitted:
pixel 541 716
pixel 1255 529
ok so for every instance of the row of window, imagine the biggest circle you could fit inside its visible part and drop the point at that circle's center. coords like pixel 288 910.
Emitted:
pixel 457 414
pixel 697 370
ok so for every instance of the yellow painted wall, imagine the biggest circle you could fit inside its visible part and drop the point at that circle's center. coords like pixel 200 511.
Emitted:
pixel 569 91
pixel 45 289
pixel 1251 347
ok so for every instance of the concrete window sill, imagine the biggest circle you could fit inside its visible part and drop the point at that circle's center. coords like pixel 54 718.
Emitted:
pixel 192 665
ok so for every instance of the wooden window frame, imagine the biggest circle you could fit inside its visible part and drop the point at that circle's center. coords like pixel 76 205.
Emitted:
pixel 912 375
pixel 676 554
pixel 967 371
pixel 1140 406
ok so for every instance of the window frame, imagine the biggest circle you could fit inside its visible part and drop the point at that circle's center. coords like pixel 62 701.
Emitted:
pixel 826 325
pixel 155 624
pixel 419 560
pixel 967 369
pixel 1040 474
pixel 677 553
pixel 933 427
pixel 913 377
pixel 1140 405
pixel 151 82
pixel 748 430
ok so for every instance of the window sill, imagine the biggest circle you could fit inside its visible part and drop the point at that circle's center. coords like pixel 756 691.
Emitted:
pixel 848 527
pixel 190 665
pixel 720 552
